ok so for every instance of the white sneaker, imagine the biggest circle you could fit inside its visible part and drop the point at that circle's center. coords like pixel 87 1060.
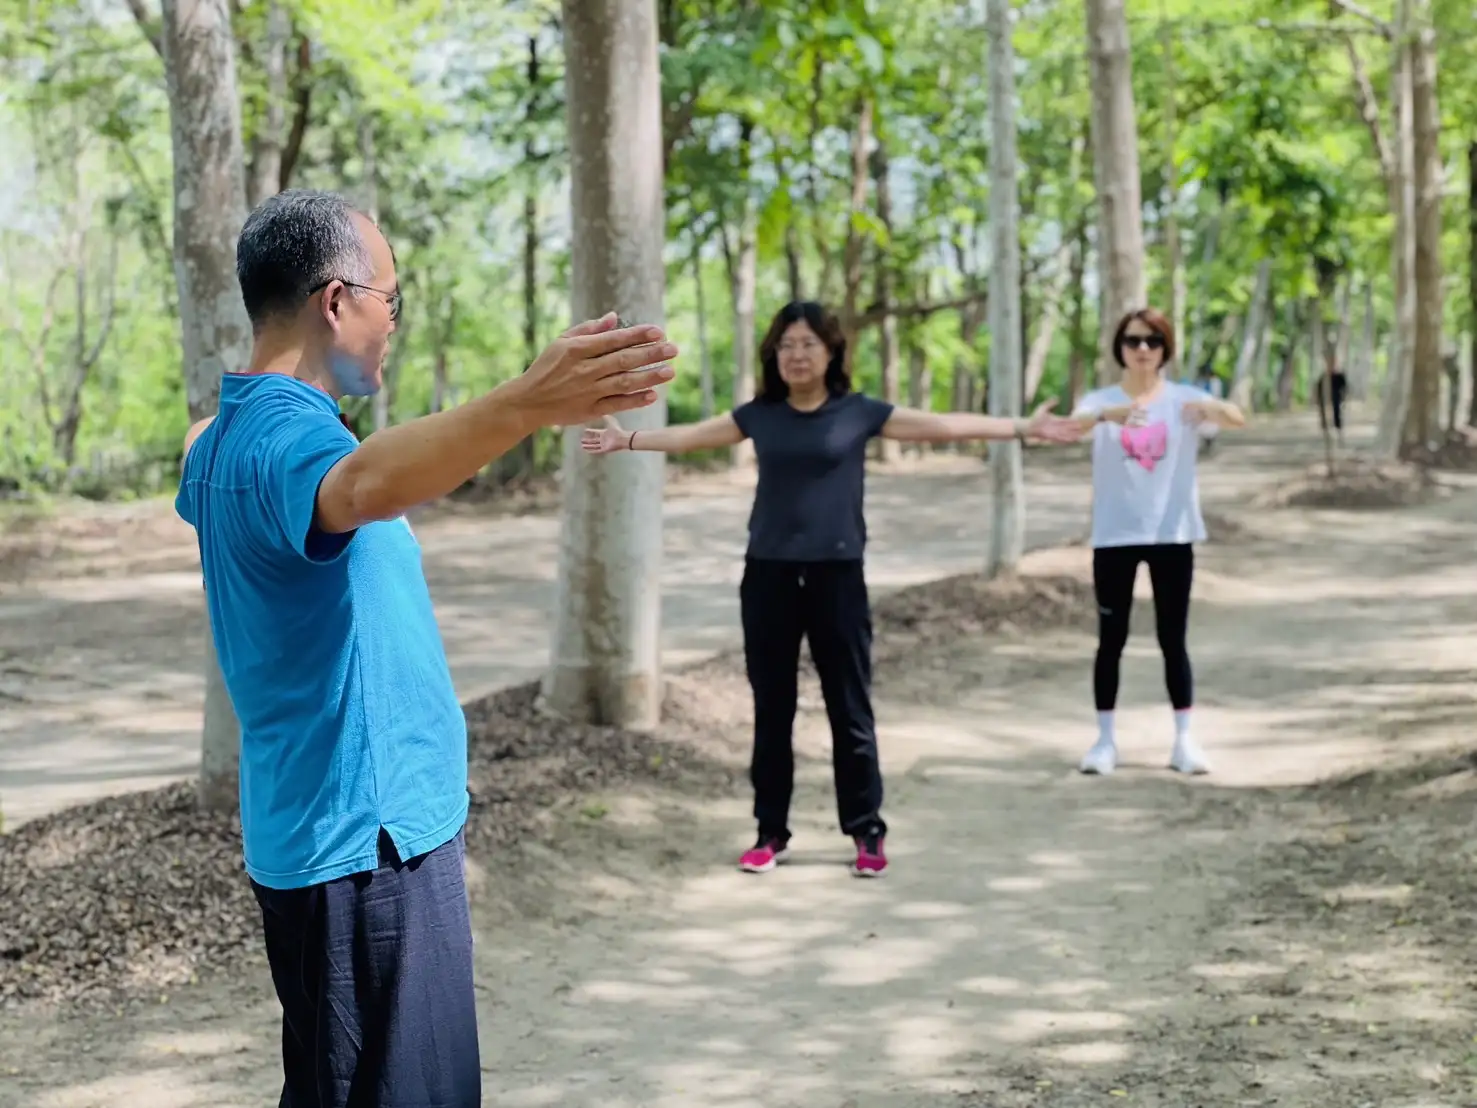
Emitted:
pixel 1102 759
pixel 1187 757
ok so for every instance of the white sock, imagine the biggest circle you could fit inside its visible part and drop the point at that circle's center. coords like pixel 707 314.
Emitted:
pixel 1181 724
pixel 1105 735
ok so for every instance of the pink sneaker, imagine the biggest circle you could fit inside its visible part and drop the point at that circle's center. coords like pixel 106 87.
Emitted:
pixel 764 856
pixel 870 861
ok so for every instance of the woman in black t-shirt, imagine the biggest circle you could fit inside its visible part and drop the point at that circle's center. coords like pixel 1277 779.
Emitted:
pixel 803 570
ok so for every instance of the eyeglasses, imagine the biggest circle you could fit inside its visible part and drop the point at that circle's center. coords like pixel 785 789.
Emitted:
pixel 392 299
pixel 1148 342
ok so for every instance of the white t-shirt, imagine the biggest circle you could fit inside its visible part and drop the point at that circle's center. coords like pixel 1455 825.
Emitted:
pixel 1144 487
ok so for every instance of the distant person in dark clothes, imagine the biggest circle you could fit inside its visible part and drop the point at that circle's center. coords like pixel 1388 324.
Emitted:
pixel 1332 387
pixel 353 744
pixel 803 574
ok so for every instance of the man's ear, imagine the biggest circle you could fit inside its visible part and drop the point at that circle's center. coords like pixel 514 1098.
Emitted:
pixel 331 304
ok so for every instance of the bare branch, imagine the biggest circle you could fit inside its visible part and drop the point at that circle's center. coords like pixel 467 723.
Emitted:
pixel 1369 111
pixel 1360 12
pixel 147 25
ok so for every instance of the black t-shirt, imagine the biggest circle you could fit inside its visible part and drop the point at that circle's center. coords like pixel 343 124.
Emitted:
pixel 808 505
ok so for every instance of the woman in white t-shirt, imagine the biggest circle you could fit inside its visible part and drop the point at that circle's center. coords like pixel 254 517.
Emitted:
pixel 1146 510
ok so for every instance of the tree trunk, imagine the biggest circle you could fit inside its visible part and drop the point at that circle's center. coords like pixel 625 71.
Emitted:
pixel 1194 343
pixel 1115 164
pixel 744 280
pixel 441 358
pixel 606 658
pixel 209 208
pixel 1423 415
pixel 1051 304
pixel 523 458
pixel 1007 482
pixel 705 356
pixel 1286 375
pixel 265 175
pixel 1362 362
pixel 861 137
pixel 971 318
pixel 1472 269
pixel 1175 286
pixel 1077 356
pixel 1260 385
pixel 87 350
pixel 891 449
pixel 370 199
pixel 1241 380
pixel 1396 393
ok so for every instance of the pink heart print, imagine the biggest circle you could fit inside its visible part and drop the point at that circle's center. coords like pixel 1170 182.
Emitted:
pixel 1146 444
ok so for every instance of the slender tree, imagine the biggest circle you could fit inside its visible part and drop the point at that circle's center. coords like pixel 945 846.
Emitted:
pixel 1007 483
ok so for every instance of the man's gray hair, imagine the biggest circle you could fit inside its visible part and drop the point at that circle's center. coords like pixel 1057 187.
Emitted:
pixel 293 243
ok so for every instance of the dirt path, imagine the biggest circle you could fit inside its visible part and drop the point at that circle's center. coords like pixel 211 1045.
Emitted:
pixel 101 611
pixel 1044 939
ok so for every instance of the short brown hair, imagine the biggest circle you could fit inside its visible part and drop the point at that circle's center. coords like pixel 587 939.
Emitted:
pixel 1156 322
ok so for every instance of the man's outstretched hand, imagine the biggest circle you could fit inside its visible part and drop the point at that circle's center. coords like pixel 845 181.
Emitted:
pixel 594 369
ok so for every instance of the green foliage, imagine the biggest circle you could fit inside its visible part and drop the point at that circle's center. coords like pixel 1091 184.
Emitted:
pixel 761 98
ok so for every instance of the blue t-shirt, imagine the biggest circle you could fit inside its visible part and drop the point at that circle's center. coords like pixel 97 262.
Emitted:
pixel 328 645
pixel 812 476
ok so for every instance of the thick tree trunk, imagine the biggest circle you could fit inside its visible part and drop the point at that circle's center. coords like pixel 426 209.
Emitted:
pixel 1423 415
pixel 606 656
pixel 1115 162
pixel 209 208
pixel 1007 481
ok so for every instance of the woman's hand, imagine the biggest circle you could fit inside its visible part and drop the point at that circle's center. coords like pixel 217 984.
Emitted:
pixel 1045 426
pixel 610 439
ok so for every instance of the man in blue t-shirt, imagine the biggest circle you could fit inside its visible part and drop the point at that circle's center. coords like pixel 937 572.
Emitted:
pixel 353 744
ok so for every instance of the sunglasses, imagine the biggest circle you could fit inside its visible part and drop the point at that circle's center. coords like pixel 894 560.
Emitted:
pixel 392 299
pixel 1147 342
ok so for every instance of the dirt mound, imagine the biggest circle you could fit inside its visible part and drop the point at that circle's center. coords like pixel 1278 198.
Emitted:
pixel 971 604
pixel 1457 451
pixel 141 892
pixel 130 893
pixel 1354 483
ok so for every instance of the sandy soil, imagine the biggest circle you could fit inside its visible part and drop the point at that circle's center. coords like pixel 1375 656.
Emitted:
pixel 1293 930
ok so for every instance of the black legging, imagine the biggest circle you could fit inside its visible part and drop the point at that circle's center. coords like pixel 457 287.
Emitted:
pixel 826 603
pixel 1171 571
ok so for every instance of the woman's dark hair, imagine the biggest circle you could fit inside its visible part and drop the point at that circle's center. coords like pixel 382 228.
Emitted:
pixel 1156 322
pixel 827 328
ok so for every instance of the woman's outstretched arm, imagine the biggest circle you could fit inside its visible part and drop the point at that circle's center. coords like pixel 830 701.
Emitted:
pixel 683 438
pixel 912 425
pixel 1218 413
